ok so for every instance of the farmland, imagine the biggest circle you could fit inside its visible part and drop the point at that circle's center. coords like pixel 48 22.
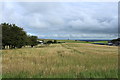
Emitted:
pixel 65 60
pixel 74 41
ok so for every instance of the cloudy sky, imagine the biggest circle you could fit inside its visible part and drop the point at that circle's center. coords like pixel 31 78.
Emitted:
pixel 63 20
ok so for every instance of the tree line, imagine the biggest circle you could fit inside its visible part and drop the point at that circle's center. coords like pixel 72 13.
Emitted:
pixel 116 41
pixel 15 37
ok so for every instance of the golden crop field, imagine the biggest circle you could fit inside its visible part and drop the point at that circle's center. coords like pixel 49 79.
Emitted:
pixel 66 60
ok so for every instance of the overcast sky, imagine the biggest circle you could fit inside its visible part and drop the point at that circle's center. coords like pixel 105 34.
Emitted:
pixel 75 20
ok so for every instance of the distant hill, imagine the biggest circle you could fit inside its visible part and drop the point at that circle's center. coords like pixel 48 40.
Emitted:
pixel 92 40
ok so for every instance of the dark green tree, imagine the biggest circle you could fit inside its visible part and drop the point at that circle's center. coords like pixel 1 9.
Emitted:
pixel 18 36
pixel 13 36
pixel 55 41
pixel 6 40
pixel 33 40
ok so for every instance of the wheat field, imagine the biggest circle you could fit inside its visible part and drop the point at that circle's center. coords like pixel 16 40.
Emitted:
pixel 66 60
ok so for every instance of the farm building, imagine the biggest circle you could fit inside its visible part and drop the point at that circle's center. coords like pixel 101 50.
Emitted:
pixel 40 42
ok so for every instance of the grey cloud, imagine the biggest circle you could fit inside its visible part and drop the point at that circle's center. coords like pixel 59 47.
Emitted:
pixel 64 19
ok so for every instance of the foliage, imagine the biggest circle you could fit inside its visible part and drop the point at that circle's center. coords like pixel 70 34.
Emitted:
pixel 115 40
pixel 55 41
pixel 15 37
pixel 33 40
